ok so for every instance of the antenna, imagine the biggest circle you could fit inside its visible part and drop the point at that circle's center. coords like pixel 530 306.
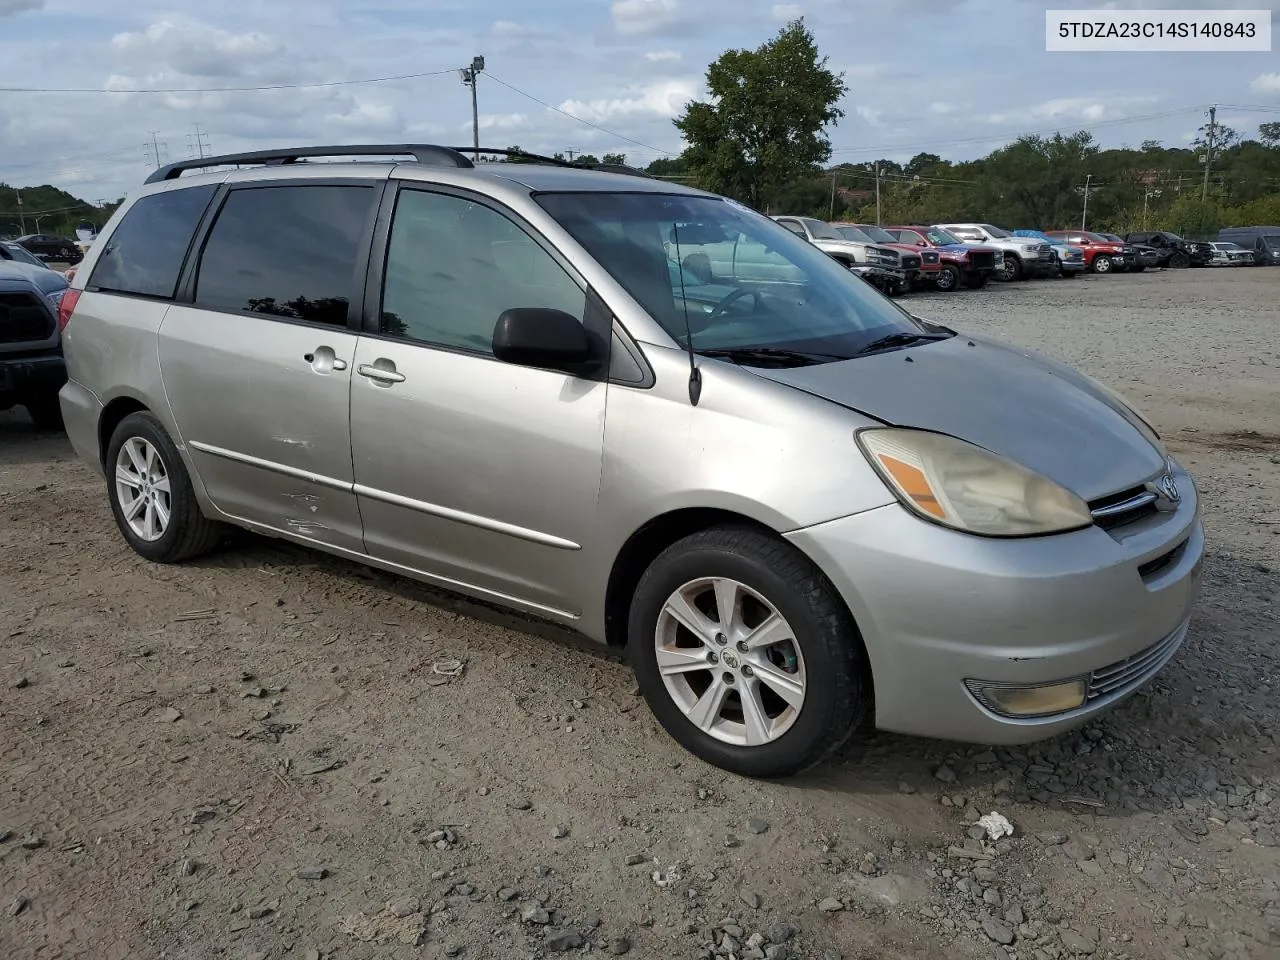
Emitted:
pixel 695 375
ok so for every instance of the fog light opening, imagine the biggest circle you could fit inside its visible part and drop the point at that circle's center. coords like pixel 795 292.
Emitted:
pixel 1030 700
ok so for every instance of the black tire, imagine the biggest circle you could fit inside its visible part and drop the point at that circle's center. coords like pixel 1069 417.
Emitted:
pixel 1070 274
pixel 836 696
pixel 1102 264
pixel 189 532
pixel 976 281
pixel 45 412
pixel 1012 269
pixel 1179 261
pixel 948 278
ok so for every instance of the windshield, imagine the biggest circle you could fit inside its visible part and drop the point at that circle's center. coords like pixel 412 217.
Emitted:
pixel 822 231
pixel 1171 236
pixel 22 254
pixel 877 234
pixel 995 231
pixel 943 238
pixel 735 280
pixel 1272 240
pixel 858 235
pixel 1097 237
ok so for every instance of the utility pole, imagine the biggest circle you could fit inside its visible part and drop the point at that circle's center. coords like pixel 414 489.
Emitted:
pixel 469 76
pixel 833 194
pixel 877 193
pixel 156 147
pixel 570 153
pixel 1147 195
pixel 1208 153
pixel 197 143
pixel 1084 214
pixel 21 219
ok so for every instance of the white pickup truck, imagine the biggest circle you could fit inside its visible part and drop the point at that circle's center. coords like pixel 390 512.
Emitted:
pixel 1023 258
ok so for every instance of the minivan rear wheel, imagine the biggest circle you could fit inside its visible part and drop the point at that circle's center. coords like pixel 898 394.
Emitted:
pixel 745 653
pixel 151 494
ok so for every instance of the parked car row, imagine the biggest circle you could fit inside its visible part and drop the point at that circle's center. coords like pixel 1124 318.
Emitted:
pixel 946 256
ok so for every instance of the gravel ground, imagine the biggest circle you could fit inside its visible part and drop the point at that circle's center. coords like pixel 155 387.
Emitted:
pixel 269 753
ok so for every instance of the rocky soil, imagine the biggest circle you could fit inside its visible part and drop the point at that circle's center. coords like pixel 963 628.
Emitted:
pixel 272 754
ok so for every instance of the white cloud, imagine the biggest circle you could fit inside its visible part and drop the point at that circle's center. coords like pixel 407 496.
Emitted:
pixel 940 108
pixel 500 121
pixel 786 11
pixel 665 98
pixel 10 8
pixel 1073 109
pixel 1266 83
pixel 170 48
pixel 645 16
pixel 509 28
pixel 662 56
pixel 868 114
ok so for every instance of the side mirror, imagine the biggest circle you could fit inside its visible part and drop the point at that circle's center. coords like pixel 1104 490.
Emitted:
pixel 541 337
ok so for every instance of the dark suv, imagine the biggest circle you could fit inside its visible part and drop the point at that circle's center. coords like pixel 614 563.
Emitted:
pixel 51 249
pixel 1172 250
pixel 31 366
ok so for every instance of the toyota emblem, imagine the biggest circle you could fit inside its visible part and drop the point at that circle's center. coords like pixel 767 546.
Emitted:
pixel 1169 487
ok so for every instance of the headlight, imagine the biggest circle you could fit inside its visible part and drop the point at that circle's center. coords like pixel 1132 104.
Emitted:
pixel 963 486
pixel 1139 421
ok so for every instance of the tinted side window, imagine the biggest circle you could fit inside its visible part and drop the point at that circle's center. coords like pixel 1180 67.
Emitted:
pixel 144 254
pixel 454 266
pixel 287 251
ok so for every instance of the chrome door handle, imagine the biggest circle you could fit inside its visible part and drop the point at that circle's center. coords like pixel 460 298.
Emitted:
pixel 322 360
pixel 379 373
pixel 339 363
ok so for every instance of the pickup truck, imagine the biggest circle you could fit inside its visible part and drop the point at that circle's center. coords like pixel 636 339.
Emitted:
pixel 31 366
pixel 1173 250
pixel 1143 255
pixel 960 262
pixel 929 260
pixel 850 248
pixel 1023 258
pixel 1100 254
pixel 1070 258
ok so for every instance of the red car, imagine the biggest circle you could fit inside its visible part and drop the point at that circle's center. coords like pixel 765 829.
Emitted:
pixel 930 261
pixel 959 261
pixel 1100 254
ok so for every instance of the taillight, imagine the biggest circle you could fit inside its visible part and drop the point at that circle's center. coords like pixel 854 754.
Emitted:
pixel 67 307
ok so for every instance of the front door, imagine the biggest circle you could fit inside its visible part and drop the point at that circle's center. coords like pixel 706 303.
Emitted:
pixel 258 369
pixel 482 474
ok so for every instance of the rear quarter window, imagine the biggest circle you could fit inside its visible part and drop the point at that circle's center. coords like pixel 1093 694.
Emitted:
pixel 144 254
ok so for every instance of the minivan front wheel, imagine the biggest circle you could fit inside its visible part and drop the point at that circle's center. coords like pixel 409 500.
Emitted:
pixel 745 653
pixel 151 495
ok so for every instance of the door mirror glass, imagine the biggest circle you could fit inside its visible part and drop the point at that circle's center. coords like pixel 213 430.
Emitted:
pixel 541 337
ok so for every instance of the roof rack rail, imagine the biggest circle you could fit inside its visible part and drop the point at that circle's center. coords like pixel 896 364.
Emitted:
pixel 517 154
pixel 421 152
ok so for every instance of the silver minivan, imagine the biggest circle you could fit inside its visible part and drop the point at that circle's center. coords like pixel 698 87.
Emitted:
pixel 642 411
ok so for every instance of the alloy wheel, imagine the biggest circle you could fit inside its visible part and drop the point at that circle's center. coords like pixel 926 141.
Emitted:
pixel 142 489
pixel 1102 265
pixel 730 662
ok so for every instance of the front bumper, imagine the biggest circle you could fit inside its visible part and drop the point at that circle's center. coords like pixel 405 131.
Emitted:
pixel 937 607
pixel 30 378
pixel 1073 266
pixel 1040 266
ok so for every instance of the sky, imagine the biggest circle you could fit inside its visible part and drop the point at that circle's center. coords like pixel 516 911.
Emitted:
pixel 953 77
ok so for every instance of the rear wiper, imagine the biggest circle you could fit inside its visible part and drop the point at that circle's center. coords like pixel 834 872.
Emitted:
pixel 768 355
pixel 901 340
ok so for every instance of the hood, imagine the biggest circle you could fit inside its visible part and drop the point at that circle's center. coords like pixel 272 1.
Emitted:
pixel 1027 408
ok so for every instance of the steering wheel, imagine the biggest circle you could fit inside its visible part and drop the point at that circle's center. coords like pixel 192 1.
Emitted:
pixel 757 303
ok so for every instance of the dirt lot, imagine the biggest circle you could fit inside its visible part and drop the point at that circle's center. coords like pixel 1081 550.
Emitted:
pixel 263 754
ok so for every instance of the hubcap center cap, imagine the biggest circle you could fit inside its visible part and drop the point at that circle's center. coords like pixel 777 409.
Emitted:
pixel 730 660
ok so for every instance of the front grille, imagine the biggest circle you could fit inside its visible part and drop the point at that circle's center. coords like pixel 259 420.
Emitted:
pixel 1162 562
pixel 23 319
pixel 1127 506
pixel 982 260
pixel 1131 672
pixel 910 262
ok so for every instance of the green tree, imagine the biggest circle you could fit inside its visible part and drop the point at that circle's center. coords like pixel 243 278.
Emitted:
pixel 614 160
pixel 1195 218
pixel 1269 133
pixel 764 124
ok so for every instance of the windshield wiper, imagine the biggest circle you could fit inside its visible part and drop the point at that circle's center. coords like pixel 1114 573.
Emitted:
pixel 769 356
pixel 901 340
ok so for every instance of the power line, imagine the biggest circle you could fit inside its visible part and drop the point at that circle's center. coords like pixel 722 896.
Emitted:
pixel 565 113
pixel 268 86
